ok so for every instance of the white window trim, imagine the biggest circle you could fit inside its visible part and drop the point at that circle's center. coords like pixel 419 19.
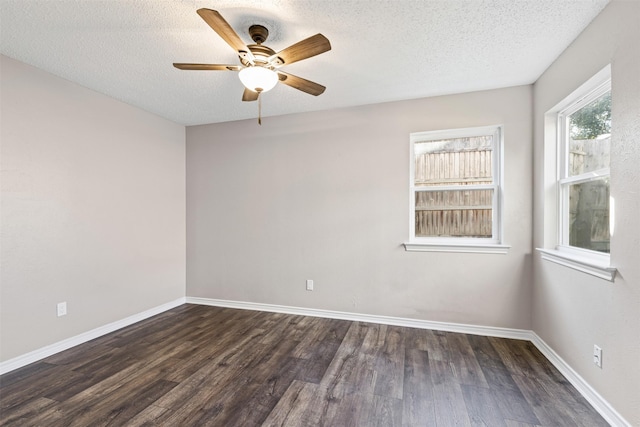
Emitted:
pixel 492 245
pixel 470 248
pixel 555 250
pixel 586 263
pixel 590 92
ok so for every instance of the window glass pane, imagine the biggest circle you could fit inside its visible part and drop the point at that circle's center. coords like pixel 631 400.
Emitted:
pixel 589 136
pixel 454 213
pixel 589 215
pixel 459 161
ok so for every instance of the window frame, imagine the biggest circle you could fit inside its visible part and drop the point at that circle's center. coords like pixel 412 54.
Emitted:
pixel 493 244
pixel 590 92
pixel 591 262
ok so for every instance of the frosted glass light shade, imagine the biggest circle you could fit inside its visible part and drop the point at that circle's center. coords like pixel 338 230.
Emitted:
pixel 258 79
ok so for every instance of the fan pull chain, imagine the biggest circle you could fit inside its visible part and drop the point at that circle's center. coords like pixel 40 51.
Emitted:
pixel 259 90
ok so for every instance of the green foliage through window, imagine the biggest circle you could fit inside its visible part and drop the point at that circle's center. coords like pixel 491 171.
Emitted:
pixel 592 120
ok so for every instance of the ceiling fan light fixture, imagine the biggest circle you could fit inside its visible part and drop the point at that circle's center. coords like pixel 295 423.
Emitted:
pixel 258 79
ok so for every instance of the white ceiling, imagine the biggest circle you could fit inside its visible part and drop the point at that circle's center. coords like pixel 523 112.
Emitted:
pixel 382 50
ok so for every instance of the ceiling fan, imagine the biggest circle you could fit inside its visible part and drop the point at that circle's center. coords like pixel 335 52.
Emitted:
pixel 260 65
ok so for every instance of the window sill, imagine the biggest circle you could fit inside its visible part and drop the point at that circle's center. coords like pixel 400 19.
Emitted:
pixel 482 248
pixel 584 264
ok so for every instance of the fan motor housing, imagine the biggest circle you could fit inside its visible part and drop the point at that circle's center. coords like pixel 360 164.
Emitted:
pixel 260 53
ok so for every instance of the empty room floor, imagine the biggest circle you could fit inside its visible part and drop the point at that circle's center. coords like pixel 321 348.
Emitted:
pixel 199 365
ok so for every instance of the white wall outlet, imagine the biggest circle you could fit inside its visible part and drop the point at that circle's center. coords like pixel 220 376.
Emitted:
pixel 62 308
pixel 309 285
pixel 597 356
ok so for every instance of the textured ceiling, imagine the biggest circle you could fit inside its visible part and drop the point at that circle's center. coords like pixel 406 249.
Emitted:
pixel 382 50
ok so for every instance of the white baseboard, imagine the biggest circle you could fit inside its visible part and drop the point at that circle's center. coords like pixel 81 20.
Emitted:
pixel 593 397
pixel 598 402
pixel 52 349
pixel 490 331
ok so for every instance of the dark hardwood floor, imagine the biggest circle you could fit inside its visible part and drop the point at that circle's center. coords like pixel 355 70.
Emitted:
pixel 199 365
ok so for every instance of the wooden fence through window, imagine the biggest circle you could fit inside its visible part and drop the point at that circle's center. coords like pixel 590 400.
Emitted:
pixel 454 213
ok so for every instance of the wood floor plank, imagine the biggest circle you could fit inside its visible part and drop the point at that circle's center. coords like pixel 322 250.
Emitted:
pixel 141 373
pixel 354 409
pixel 308 341
pixel 21 414
pixel 508 396
pixel 114 408
pixel 264 397
pixel 106 365
pixel 581 412
pixel 351 370
pixel 71 384
pixel 510 353
pixel 120 411
pixel 585 415
pixel 149 417
pixel 386 412
pixel 437 345
pixel 537 398
pixel 466 367
pixel 417 397
pixel 31 387
pixel 31 371
pixel 268 376
pixel 389 364
pixel 318 347
pixel 482 407
pixel 303 404
pixel 202 353
pixel 485 352
pixel 512 423
pixel 416 339
pixel 205 384
pixel 538 362
pixel 198 365
pixel 449 406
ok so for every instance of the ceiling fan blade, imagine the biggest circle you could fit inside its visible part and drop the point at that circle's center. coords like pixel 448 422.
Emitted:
pixel 222 67
pixel 249 95
pixel 224 30
pixel 299 83
pixel 312 46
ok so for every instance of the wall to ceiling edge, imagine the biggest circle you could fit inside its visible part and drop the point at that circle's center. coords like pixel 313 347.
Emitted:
pixel 324 196
pixel 93 210
pixel 572 311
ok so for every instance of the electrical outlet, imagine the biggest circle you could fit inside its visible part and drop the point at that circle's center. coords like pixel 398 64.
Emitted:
pixel 309 285
pixel 597 356
pixel 62 308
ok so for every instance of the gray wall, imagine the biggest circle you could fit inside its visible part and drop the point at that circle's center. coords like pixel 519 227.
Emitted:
pixel 324 196
pixel 573 311
pixel 93 209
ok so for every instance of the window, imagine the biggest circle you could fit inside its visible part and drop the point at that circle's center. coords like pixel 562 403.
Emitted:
pixel 583 182
pixel 455 190
pixel 577 205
